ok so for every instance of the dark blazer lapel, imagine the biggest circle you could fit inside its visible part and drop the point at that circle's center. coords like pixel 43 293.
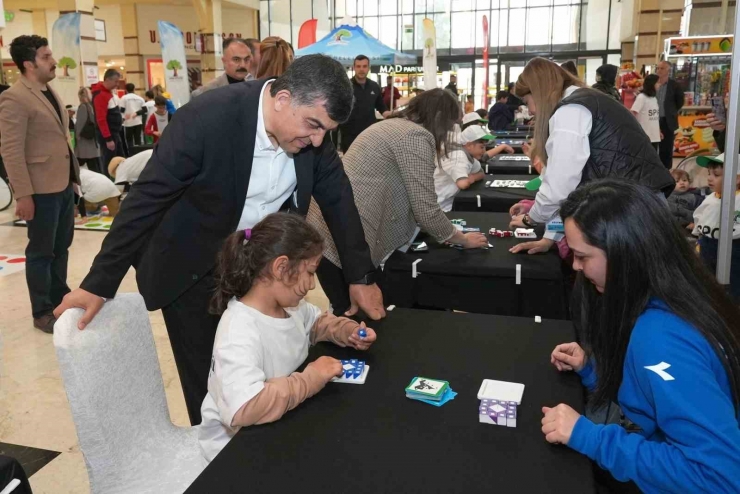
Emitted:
pixel 243 142
pixel 303 163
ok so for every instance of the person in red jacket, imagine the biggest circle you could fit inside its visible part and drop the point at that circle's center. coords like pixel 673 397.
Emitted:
pixel 108 115
pixel 159 119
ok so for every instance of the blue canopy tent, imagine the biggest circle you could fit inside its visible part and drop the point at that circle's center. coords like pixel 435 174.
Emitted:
pixel 348 40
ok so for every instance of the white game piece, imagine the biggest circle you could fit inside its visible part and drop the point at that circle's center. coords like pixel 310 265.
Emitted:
pixel 488 184
pixel 486 168
pixel 518 274
pixel 414 272
pixel 478 200
pixel 353 380
pixel 501 390
pixel 537 319
pixel 390 308
pixel 525 233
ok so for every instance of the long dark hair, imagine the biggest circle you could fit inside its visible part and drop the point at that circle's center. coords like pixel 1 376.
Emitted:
pixel 648 85
pixel 436 110
pixel 242 260
pixel 647 256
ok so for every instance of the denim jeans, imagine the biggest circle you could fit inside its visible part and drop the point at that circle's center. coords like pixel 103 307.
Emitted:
pixel 50 234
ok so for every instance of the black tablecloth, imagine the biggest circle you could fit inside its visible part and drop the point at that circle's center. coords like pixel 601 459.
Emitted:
pixel 371 439
pixel 502 164
pixel 479 280
pixel 492 200
pixel 512 134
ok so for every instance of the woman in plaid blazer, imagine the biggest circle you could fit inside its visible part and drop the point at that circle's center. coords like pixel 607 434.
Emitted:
pixel 391 168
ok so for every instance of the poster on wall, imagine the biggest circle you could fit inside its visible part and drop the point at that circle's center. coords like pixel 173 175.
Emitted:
pixel 175 63
pixel 66 39
pixel 91 75
pixel 693 134
pixel 430 54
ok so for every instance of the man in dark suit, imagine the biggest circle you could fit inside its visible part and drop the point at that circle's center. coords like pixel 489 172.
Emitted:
pixel 670 101
pixel 262 137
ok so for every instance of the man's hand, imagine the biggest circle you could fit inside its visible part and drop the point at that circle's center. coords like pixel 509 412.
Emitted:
pixel 157 133
pixel 527 150
pixel 542 245
pixel 517 221
pixel 519 209
pixel 558 423
pixel 368 298
pixel 25 208
pixel 110 145
pixel 715 123
pixel 81 299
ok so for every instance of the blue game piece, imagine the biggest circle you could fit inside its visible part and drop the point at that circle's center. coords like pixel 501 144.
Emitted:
pixel 362 333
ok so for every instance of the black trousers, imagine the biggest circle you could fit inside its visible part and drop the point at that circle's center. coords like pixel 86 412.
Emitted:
pixel 336 288
pixel 134 135
pixel 120 150
pixel 50 234
pixel 192 330
pixel 11 469
pixel 666 145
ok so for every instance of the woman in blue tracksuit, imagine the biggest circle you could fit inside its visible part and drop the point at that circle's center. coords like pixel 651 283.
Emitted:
pixel 662 339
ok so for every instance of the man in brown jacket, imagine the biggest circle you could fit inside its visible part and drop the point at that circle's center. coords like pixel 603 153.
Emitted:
pixel 34 142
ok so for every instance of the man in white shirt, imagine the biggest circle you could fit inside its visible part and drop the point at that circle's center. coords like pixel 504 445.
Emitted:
pixel 226 161
pixel 132 105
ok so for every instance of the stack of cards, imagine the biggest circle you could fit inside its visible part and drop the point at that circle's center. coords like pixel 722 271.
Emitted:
pixel 430 391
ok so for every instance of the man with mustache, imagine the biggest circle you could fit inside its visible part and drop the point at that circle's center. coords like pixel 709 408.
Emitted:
pixel 228 159
pixel 236 59
pixel 34 130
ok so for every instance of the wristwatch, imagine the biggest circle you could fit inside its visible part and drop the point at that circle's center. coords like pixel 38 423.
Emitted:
pixel 368 279
pixel 528 221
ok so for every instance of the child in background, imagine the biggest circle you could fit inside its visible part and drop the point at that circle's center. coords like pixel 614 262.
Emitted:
pixel 97 189
pixel 266 328
pixel 681 201
pixel 469 105
pixel 159 119
pixel 501 114
pixel 707 222
pixel 460 168
pixel 646 110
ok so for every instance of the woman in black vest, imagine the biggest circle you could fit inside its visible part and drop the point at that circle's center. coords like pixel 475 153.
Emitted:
pixel 580 135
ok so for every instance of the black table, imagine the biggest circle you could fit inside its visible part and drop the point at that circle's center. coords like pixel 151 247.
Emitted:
pixel 509 164
pixel 371 439
pixel 515 143
pixel 513 134
pixel 479 280
pixel 492 200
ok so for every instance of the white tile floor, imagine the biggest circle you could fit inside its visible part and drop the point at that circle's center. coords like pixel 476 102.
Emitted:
pixel 33 405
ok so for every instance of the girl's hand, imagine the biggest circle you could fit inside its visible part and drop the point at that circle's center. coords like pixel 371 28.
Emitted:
pixel 558 423
pixel 327 367
pixel 358 343
pixel 568 357
pixel 536 247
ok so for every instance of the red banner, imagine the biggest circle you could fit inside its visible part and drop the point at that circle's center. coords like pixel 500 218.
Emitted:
pixel 307 34
pixel 485 61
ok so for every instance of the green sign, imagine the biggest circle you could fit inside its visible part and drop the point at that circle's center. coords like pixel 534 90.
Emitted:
pixel 9 16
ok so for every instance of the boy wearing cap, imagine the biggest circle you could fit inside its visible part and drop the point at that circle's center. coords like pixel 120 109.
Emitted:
pixel 460 168
pixel 707 221
pixel 473 119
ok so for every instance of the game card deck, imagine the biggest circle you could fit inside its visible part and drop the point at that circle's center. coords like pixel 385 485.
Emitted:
pixel 425 388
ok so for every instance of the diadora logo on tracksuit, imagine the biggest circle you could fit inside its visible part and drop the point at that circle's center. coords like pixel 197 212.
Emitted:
pixel 660 369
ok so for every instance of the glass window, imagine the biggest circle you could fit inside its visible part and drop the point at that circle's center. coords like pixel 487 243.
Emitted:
pixel 438 6
pixel 538 3
pixel 538 29
pixel 371 7
pixel 408 6
pixel 565 28
pixel 517 3
pixel 615 24
pixel 595 15
pixel 503 28
pixel 371 26
pixel 339 9
pixel 517 19
pixel 483 4
pixel 407 39
pixel 388 7
pixel 591 65
pixel 463 31
pixel 419 32
pixel 458 5
pixel 479 28
pixel 351 8
pixel 421 6
pixel 388 31
pixel 494 27
pixel 442 28
pixel 265 18
pixel 614 59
